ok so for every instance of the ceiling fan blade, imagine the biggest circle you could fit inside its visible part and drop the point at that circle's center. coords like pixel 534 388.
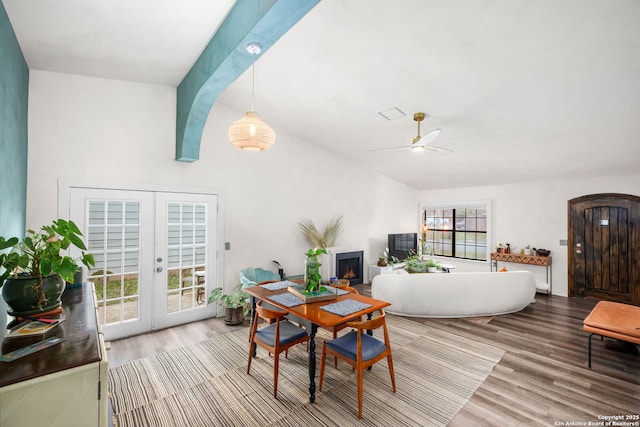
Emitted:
pixel 387 149
pixel 438 149
pixel 428 137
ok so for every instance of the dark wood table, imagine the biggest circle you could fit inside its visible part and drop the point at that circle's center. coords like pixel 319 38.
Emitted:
pixel 314 317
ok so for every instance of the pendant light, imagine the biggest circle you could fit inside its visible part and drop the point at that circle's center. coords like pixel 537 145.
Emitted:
pixel 251 133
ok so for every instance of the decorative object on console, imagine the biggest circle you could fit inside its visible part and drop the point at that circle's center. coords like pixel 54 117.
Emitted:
pixel 251 133
pixel 383 258
pixel 280 269
pixel 36 268
pixel 543 252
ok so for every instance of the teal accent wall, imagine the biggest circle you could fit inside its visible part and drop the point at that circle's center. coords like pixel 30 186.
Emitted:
pixel 14 94
pixel 225 58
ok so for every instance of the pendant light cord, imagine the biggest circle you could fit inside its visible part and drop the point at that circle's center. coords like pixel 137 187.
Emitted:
pixel 253 84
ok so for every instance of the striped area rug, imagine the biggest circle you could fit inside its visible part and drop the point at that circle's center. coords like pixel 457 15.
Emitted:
pixel 206 384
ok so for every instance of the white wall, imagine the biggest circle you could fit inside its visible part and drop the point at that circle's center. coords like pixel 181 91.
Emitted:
pixel 536 214
pixel 116 132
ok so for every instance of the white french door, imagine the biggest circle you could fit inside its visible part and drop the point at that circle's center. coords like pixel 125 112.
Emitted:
pixel 155 252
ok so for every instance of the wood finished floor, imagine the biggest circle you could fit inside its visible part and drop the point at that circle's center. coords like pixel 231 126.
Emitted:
pixel 543 378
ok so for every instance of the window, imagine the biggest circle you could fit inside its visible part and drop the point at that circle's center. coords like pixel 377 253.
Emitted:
pixel 456 230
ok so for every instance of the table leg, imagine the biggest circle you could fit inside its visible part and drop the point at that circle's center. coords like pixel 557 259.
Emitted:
pixel 254 301
pixel 312 363
pixel 370 333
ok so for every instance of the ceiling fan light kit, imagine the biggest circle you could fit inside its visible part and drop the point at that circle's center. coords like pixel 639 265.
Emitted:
pixel 251 133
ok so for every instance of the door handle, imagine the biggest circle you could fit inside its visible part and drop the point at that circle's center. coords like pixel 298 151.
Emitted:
pixel 159 270
pixel 578 251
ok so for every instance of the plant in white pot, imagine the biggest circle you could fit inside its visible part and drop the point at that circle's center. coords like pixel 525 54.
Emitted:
pixel 236 304
pixel 35 269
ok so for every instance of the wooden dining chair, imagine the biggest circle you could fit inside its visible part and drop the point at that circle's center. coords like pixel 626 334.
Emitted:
pixel 337 328
pixel 344 282
pixel 277 337
pixel 360 351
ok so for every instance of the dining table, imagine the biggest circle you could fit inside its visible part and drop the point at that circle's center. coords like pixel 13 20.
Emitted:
pixel 312 315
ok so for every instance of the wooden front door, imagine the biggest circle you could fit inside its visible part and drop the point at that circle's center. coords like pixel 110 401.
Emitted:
pixel 604 247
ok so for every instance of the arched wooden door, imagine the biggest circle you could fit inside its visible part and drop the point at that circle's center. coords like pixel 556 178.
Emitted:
pixel 604 247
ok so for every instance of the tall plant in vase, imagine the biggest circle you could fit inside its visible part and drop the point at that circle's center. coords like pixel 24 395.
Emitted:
pixel 323 240
pixel 312 276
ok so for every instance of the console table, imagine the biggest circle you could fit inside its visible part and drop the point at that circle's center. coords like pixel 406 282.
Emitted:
pixel 64 385
pixel 543 261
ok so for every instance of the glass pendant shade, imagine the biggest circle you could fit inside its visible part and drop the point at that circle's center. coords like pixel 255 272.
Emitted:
pixel 251 133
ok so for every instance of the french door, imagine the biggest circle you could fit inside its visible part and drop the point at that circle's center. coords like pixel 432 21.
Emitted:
pixel 155 252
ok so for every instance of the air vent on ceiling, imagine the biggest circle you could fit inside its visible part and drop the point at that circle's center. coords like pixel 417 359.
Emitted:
pixel 392 114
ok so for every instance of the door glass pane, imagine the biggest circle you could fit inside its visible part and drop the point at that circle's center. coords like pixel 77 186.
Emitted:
pixel 186 255
pixel 113 236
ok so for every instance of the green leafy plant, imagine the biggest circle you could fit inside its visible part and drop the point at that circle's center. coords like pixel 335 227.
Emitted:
pixel 312 271
pixel 237 298
pixel 413 263
pixel 433 264
pixel 44 252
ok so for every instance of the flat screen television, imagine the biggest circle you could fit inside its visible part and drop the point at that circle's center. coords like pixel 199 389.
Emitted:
pixel 401 244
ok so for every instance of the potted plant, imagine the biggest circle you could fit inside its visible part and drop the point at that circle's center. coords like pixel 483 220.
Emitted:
pixel 383 258
pixel 501 248
pixel 36 268
pixel 323 240
pixel 433 266
pixel 236 304
pixel 312 274
pixel 413 263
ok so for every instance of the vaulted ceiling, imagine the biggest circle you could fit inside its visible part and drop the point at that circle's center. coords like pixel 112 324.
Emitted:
pixel 522 90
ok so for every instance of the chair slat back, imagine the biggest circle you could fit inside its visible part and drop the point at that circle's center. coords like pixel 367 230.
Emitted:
pixel 267 313
pixel 374 323
pixel 348 289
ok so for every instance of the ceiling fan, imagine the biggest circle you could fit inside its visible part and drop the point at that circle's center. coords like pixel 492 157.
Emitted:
pixel 420 143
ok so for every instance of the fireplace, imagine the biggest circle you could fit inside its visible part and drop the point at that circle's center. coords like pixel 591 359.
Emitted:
pixel 349 265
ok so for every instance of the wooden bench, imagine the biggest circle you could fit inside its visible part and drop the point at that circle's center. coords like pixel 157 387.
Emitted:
pixel 613 320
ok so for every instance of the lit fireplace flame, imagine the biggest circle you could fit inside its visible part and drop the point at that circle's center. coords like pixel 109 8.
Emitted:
pixel 349 275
